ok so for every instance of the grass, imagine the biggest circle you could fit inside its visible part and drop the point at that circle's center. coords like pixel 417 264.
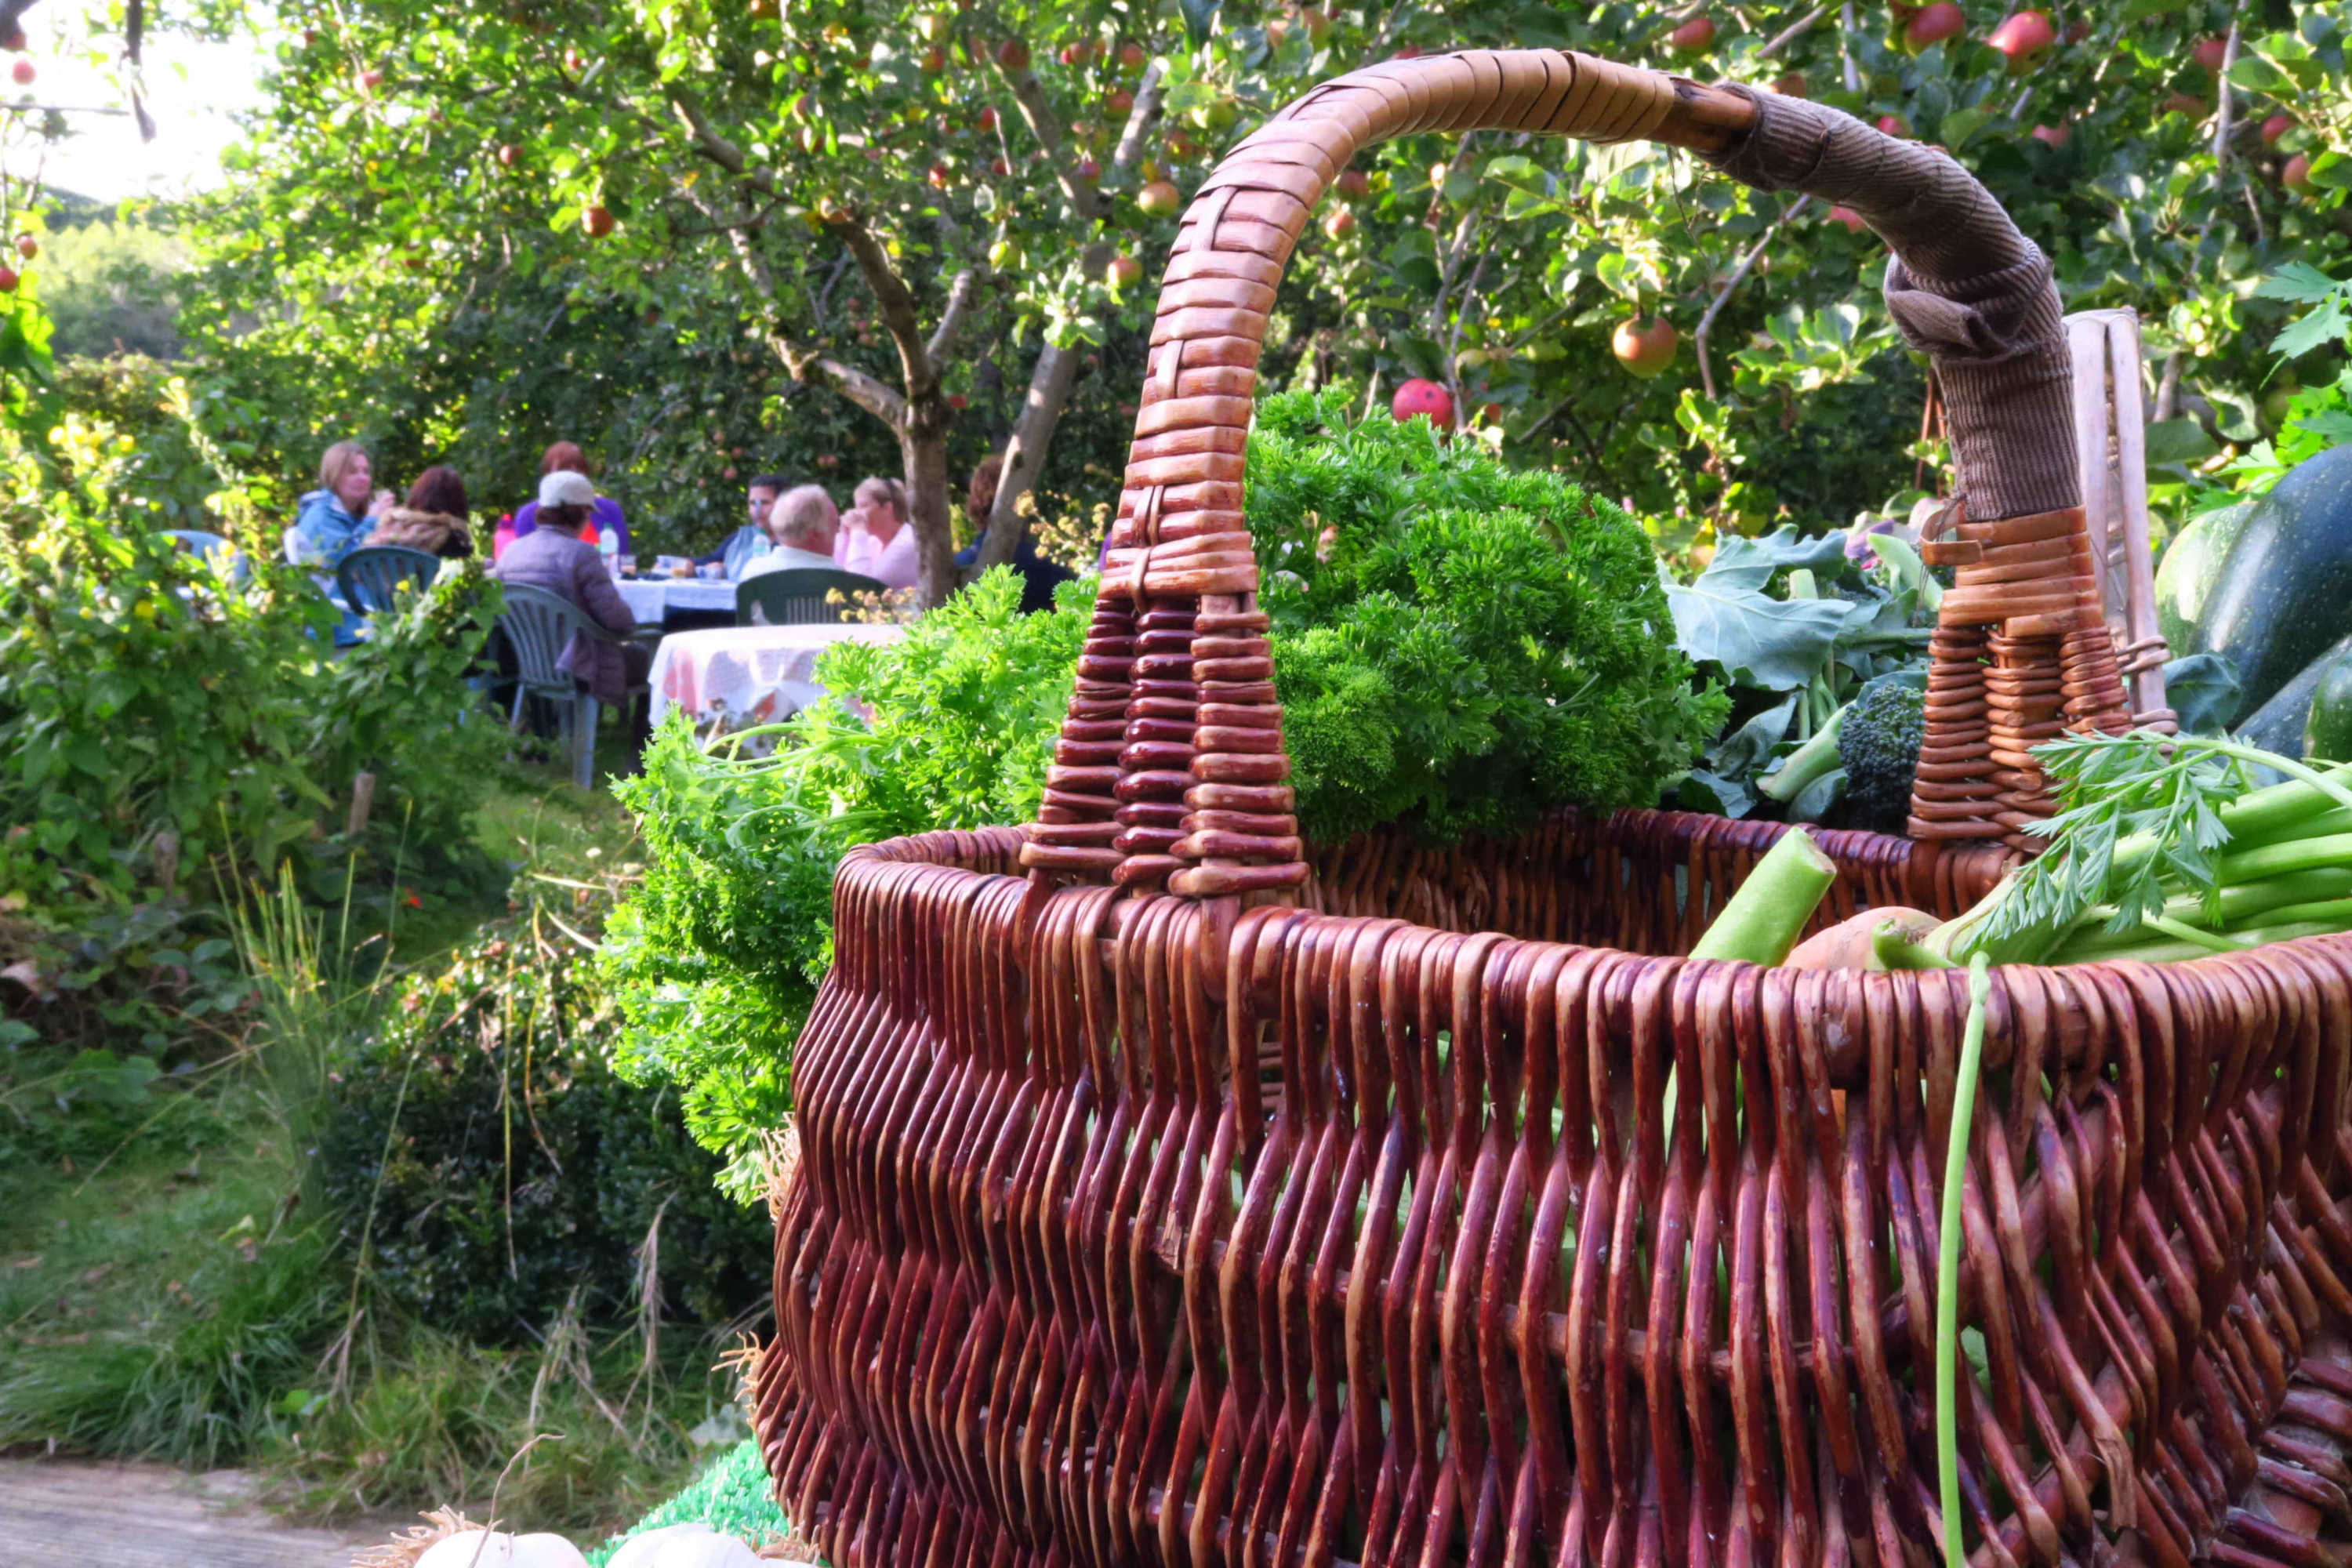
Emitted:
pixel 170 1288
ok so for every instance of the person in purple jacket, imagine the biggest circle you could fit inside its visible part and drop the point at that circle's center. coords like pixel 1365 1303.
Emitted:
pixel 554 557
pixel 603 517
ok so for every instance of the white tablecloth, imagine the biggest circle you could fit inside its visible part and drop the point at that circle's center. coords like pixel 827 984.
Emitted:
pixel 731 678
pixel 651 598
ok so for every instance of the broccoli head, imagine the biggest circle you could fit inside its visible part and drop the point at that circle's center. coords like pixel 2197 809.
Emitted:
pixel 1879 745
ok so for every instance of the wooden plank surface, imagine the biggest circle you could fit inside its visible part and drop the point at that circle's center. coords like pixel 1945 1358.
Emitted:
pixel 72 1513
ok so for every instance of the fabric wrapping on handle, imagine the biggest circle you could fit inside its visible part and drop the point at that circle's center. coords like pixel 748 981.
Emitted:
pixel 1963 285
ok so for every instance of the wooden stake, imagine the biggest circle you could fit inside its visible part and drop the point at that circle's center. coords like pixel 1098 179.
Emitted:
pixel 362 798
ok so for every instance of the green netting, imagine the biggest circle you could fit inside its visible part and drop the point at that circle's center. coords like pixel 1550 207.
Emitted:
pixel 733 1496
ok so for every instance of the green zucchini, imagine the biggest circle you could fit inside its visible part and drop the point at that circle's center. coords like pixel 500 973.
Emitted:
pixel 2278 724
pixel 2184 576
pixel 2328 732
pixel 2283 592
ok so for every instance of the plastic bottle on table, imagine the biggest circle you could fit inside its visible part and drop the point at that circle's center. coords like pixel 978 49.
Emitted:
pixel 608 546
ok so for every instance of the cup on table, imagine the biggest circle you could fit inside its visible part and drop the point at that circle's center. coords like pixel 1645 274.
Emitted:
pixel 628 564
pixel 711 571
pixel 673 566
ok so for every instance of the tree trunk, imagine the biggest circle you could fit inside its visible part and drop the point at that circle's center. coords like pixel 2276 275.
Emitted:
pixel 923 442
pixel 1025 455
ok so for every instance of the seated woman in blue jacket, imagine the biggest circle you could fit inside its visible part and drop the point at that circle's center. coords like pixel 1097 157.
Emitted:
pixel 337 518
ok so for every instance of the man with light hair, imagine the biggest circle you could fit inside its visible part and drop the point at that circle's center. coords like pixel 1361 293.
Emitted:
pixel 801 526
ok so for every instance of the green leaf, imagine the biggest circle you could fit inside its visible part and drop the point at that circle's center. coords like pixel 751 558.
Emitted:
pixel 2299 281
pixel 2258 75
pixel 2179 441
pixel 1776 644
pixel 1200 17
pixel 1962 124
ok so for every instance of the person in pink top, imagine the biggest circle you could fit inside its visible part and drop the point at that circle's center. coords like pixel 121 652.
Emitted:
pixel 876 539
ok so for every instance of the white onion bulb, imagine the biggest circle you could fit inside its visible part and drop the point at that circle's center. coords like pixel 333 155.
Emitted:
pixel 469 1550
pixel 684 1546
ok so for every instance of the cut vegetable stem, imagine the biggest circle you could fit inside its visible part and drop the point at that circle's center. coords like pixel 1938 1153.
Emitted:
pixel 1762 921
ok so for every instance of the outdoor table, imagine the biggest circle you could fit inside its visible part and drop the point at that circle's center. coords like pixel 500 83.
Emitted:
pixel 655 601
pixel 731 677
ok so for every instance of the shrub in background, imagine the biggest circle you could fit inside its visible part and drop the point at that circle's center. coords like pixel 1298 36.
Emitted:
pixel 166 723
pixel 491 1170
pixel 717 955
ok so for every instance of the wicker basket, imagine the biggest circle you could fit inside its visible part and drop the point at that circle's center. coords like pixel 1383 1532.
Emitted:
pixel 1337 1205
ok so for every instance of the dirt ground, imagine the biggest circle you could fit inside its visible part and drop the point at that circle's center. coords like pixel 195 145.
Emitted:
pixel 74 1513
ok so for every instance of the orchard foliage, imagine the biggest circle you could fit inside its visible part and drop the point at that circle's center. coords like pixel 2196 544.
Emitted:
pixel 712 237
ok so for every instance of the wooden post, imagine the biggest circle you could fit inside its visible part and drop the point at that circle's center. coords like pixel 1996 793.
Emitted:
pixel 2110 443
pixel 363 798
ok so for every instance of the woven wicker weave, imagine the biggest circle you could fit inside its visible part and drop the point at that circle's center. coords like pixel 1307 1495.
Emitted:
pixel 1397 1206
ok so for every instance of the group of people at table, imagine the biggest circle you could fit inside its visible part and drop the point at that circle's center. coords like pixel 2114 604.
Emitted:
pixel 571 542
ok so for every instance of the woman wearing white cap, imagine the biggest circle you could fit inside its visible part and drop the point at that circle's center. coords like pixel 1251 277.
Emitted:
pixel 552 556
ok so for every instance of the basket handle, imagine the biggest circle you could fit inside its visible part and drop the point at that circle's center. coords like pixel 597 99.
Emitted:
pixel 1171 767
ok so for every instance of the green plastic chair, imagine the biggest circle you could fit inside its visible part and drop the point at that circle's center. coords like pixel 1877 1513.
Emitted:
pixel 379 577
pixel 539 625
pixel 797 598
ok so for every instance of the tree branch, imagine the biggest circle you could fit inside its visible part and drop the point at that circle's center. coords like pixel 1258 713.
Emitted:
pixel 952 320
pixel 804 364
pixel 1730 284
pixel 1792 32
pixel 1057 369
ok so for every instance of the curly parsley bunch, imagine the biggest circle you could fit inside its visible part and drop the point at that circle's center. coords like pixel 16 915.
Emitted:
pixel 1458 644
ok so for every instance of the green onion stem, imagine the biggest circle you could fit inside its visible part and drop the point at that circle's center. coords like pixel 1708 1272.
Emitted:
pixel 1947 1263
pixel 2209 940
pixel 2239 903
pixel 2334 913
pixel 2287 856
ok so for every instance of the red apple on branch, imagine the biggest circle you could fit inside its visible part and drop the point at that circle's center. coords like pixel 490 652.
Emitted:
pixel 2276 126
pixel 1934 24
pixel 1792 85
pixel 1125 271
pixel 935 59
pixel 1895 125
pixel 2053 135
pixel 1644 348
pixel 23 72
pixel 2024 36
pixel 1695 37
pixel 1850 219
pixel 1131 57
pixel 26 247
pixel 2295 174
pixel 1121 102
pixel 1354 184
pixel 1012 55
pixel 1339 223
pixel 598 220
pixel 987 118
pixel 509 155
pixel 2209 53
pixel 1423 398
pixel 1159 199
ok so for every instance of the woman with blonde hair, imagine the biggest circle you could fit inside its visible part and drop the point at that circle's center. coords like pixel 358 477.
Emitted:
pixel 876 539
pixel 337 518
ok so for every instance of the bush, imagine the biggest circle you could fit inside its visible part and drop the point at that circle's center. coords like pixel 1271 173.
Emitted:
pixel 166 728
pixel 490 1169
pixel 718 954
